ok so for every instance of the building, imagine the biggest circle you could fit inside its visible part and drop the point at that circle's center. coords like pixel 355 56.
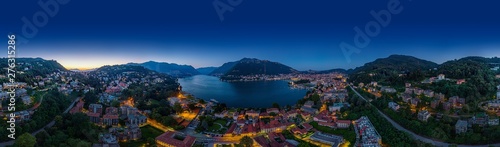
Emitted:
pixel 414 102
pixel 273 110
pixel 78 107
pixel 309 104
pixel 429 93
pixel 252 113
pixel 26 100
pixel 460 81
pixel 323 116
pixel 95 108
pixel 221 115
pixel 406 98
pixel 407 85
pixel 108 138
pixel 309 110
pixel 366 135
pixel 330 139
pixel 131 132
pixel 173 100
pixel 343 123
pixel 388 89
pixel 94 117
pixel 480 119
pixel 424 115
pixel 172 139
pixel 498 94
pixel 447 106
pixel 336 107
pixel 20 116
pixel 461 126
pixel 393 106
pixel 493 122
pixel 127 110
pixel 273 140
pixel 137 119
pixel 441 77
pixel 111 117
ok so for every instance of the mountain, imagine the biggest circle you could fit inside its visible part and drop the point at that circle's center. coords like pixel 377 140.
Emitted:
pixel 31 67
pixel 336 70
pixel 171 69
pixel 390 68
pixel 206 70
pixel 223 69
pixel 252 66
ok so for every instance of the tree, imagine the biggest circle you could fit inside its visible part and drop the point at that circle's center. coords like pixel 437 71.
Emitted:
pixel 191 106
pixel 276 105
pixel 25 140
pixel 246 141
pixel 202 101
pixel 115 103
pixel 177 108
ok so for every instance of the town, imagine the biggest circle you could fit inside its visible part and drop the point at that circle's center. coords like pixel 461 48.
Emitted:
pixel 121 118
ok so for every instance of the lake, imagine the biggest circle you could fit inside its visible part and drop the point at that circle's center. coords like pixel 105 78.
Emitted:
pixel 256 94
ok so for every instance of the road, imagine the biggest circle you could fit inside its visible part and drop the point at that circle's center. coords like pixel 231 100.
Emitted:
pixel 416 136
pixel 50 124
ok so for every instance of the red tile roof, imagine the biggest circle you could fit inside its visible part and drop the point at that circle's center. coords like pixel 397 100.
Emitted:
pixel 231 129
pixel 168 138
pixel 307 126
pixel 93 114
pixel 344 121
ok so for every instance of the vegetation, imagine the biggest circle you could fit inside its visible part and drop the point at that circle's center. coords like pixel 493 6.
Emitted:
pixel 442 129
pixel 70 130
pixel 35 67
pixel 246 141
pixel 54 103
pixel 388 70
pixel 25 140
pixel 390 135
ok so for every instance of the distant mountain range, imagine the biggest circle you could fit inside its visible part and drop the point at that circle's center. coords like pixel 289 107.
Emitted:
pixel 206 70
pixel 383 69
pixel 171 69
pixel 222 70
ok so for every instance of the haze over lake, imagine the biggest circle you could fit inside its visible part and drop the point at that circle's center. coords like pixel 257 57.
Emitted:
pixel 261 94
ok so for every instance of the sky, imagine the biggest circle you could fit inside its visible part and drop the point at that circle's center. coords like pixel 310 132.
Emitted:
pixel 301 34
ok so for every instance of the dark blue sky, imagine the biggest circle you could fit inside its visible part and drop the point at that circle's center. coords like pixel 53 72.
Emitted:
pixel 302 34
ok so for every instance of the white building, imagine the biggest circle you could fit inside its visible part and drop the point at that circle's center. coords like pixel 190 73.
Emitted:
pixel 441 77
pixel 394 106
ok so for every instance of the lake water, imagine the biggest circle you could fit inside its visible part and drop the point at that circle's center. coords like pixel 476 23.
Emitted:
pixel 256 94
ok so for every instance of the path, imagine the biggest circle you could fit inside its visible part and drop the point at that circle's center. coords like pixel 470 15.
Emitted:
pixel 416 136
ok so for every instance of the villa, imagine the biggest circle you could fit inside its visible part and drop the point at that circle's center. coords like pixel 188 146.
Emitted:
pixel 424 115
pixel 394 106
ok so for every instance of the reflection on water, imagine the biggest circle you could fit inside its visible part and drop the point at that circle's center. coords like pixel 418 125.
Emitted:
pixel 242 94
